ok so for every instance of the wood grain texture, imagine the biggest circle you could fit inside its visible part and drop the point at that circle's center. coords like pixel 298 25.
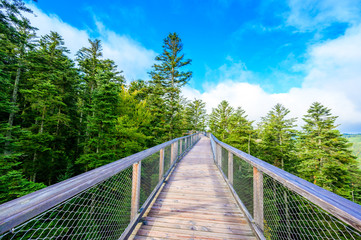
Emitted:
pixel 195 203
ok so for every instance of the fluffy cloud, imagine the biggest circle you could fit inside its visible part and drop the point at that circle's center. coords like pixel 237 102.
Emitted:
pixel 129 55
pixel 309 14
pixel 332 77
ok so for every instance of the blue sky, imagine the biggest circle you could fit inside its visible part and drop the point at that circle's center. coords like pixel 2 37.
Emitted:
pixel 252 53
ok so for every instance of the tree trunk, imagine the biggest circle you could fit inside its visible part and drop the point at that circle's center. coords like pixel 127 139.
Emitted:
pixel 12 113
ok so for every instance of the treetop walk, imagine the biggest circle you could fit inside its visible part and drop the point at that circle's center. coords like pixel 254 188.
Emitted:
pixel 194 187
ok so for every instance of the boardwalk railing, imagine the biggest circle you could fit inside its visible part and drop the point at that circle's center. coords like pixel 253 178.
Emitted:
pixel 280 205
pixel 105 203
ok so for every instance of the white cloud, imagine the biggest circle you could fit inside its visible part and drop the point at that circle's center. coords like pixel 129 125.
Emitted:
pixel 310 14
pixel 130 56
pixel 333 77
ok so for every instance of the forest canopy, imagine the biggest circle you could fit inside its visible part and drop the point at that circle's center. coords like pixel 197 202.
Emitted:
pixel 61 116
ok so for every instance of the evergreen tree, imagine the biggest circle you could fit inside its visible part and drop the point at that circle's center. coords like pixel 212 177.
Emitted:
pixel 278 138
pixel 241 132
pixel 167 80
pixel 195 115
pixel 133 124
pixel 324 154
pixel 14 43
pixel 49 96
pixel 99 106
pixel 219 120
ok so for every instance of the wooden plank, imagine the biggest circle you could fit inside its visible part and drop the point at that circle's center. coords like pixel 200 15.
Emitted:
pixel 187 224
pixel 196 203
pixel 181 234
pixel 214 228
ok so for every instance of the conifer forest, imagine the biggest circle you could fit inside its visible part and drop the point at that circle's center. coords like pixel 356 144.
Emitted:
pixel 65 113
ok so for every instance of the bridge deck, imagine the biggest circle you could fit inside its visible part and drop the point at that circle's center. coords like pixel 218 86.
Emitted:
pixel 195 203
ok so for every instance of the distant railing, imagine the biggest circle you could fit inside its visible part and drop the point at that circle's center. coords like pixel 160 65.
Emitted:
pixel 280 205
pixel 99 204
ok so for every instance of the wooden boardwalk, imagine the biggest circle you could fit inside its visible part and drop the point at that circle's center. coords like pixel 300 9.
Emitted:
pixel 195 203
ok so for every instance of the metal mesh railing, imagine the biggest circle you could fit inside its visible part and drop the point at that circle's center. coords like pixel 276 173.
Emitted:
pixel 107 209
pixel 100 212
pixel 149 176
pixel 167 152
pixel 288 215
pixel 243 182
pixel 277 211
pixel 224 162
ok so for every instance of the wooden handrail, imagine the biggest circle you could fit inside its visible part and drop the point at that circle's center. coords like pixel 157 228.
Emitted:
pixel 345 210
pixel 19 210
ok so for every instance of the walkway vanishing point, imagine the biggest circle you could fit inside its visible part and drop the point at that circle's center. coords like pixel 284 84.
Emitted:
pixel 196 203
pixel 193 187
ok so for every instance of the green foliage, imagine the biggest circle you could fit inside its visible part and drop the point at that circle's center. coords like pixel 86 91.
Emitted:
pixel 219 120
pixel 241 132
pixel 195 115
pixel 355 139
pixel 277 138
pixel 167 80
pixel 323 152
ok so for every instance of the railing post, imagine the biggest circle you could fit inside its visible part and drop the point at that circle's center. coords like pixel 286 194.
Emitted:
pixel 230 167
pixel 135 189
pixel 176 150
pixel 258 197
pixel 180 146
pixel 171 153
pixel 219 153
pixel 161 163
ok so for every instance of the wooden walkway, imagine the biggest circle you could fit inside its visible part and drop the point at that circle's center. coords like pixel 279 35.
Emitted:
pixel 195 203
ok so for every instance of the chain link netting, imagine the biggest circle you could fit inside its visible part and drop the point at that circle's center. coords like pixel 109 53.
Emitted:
pixel 167 156
pixel 149 176
pixel 288 215
pixel 100 212
pixel 224 161
pixel 243 182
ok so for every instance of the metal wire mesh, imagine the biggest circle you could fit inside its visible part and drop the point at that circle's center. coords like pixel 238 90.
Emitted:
pixel 184 147
pixel 224 162
pixel 149 177
pixel 285 213
pixel 167 152
pixel 288 215
pixel 243 182
pixel 100 212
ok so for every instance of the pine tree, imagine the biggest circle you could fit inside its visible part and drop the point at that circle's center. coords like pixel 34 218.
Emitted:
pixel 277 135
pixel 99 107
pixel 195 115
pixel 49 97
pixel 167 80
pixel 323 151
pixel 14 42
pixel 219 120
pixel 241 132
